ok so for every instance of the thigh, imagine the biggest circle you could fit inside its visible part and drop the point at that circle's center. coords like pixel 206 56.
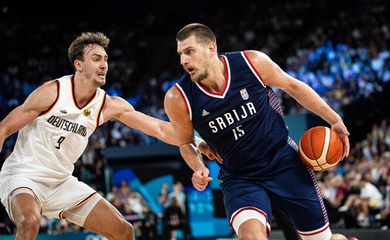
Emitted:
pixel 8 185
pixel 296 192
pixel 67 195
pixel 240 194
pixel 20 195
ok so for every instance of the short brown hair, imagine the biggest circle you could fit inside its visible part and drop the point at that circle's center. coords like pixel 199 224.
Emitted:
pixel 75 50
pixel 202 33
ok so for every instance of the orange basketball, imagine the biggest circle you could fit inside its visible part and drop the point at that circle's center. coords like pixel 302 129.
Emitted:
pixel 320 148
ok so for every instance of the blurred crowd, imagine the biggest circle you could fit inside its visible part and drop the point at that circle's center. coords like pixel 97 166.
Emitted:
pixel 339 48
pixel 343 57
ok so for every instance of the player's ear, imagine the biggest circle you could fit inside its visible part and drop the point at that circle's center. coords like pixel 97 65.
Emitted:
pixel 212 47
pixel 77 65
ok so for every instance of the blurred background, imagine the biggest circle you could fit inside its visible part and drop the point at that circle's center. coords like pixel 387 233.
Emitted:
pixel 339 47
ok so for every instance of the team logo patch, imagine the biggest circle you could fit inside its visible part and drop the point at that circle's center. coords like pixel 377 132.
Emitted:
pixel 87 113
pixel 244 94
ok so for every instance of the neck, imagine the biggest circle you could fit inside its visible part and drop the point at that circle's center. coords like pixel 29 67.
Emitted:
pixel 82 90
pixel 218 82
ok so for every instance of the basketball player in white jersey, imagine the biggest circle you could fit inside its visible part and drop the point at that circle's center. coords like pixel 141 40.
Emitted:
pixel 54 125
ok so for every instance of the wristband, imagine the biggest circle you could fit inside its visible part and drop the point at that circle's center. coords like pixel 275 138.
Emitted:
pixel 198 141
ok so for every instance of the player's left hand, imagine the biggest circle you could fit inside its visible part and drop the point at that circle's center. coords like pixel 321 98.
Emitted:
pixel 343 133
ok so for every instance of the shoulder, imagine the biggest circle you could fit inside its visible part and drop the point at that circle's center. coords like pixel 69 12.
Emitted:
pixel 174 100
pixel 173 94
pixel 62 80
pixel 49 88
pixel 261 61
pixel 255 55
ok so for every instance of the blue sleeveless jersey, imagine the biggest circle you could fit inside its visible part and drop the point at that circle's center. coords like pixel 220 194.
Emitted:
pixel 244 123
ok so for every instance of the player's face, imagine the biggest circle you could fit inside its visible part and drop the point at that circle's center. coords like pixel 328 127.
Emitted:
pixel 193 58
pixel 95 65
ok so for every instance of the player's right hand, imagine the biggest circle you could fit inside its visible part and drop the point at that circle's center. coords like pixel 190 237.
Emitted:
pixel 200 179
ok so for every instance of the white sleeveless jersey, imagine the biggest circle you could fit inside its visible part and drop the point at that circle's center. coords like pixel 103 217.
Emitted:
pixel 47 148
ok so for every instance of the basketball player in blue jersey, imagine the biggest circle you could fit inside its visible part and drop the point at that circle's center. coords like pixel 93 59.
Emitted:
pixel 54 125
pixel 227 98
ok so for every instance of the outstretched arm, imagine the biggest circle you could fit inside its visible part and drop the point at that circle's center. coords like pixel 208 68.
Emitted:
pixel 118 109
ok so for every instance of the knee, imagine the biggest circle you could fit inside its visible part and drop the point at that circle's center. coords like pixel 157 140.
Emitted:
pixel 121 231
pixel 252 236
pixel 28 223
pixel 251 233
pixel 252 229
pixel 126 231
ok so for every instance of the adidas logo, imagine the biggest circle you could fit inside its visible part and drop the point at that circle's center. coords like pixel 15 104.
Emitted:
pixel 205 113
pixel 63 111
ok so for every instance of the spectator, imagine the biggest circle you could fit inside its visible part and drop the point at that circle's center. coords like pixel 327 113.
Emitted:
pixel 173 220
pixel 384 215
pixel 181 197
pixel 114 193
pixel 163 196
pixel 368 202
pixel 137 202
pixel 149 225
pixel 125 190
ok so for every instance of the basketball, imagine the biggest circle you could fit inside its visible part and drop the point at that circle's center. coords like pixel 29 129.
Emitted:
pixel 320 148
